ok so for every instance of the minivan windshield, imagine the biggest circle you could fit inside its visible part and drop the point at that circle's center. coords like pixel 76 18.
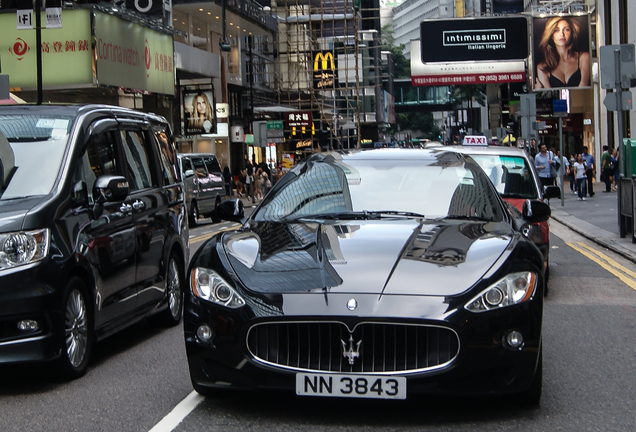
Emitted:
pixel 31 152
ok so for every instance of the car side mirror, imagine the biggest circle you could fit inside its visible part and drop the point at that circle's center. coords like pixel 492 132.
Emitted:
pixel 230 210
pixel 188 173
pixel 110 188
pixel 536 211
pixel 550 192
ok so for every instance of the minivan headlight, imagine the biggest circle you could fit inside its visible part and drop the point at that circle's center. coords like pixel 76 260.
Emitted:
pixel 513 289
pixel 208 285
pixel 24 247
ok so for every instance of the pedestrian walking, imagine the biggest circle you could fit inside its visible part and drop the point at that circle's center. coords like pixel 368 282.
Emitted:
pixel 581 177
pixel 607 171
pixel 571 174
pixel 544 162
pixel 249 181
pixel 614 162
pixel 590 170
pixel 227 178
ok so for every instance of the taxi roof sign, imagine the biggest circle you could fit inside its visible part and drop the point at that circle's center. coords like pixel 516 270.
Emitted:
pixel 475 140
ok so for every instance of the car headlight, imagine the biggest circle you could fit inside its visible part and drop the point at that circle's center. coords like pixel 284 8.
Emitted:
pixel 25 247
pixel 208 285
pixel 513 289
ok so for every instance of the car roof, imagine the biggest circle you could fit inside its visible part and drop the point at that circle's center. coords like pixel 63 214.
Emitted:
pixel 76 110
pixel 489 150
pixel 388 153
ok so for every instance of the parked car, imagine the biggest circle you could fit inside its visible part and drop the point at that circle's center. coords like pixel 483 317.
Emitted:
pixel 93 230
pixel 515 177
pixel 372 274
pixel 205 188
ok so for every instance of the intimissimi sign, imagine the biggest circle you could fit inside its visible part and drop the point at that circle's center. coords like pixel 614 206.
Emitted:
pixel 474 39
pixel 478 39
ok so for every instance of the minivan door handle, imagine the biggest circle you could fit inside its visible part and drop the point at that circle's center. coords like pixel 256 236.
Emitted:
pixel 139 205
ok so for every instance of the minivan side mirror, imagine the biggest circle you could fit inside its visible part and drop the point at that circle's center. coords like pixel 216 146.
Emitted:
pixel 188 173
pixel 110 188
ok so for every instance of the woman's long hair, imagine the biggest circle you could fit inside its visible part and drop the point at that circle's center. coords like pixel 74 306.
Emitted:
pixel 546 45
pixel 195 120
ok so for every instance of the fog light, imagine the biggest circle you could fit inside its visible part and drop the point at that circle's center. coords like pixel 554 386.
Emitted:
pixel 514 339
pixel 205 333
pixel 28 325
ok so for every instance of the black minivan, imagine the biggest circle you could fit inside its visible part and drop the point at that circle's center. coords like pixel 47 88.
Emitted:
pixel 93 229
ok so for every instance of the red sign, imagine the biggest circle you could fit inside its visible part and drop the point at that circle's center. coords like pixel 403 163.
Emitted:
pixel 480 78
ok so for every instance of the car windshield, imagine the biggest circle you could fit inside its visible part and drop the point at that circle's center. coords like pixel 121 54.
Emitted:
pixel 341 185
pixel 511 175
pixel 31 153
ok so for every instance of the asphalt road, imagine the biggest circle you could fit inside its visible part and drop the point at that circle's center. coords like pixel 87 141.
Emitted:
pixel 139 376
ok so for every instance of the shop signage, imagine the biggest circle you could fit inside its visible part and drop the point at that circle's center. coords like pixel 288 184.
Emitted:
pixel 304 143
pixel 66 52
pixel 298 119
pixel 481 72
pixel 132 56
pixel 324 70
pixel 222 110
pixel 475 39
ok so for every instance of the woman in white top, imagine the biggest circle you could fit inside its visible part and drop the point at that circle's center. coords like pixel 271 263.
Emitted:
pixel 579 174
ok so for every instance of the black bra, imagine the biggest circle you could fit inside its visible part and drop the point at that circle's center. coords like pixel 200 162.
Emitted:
pixel 573 81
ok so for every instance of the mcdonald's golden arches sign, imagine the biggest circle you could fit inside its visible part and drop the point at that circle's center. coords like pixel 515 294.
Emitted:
pixel 324 70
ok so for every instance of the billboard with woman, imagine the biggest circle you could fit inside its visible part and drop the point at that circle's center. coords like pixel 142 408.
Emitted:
pixel 199 112
pixel 561 52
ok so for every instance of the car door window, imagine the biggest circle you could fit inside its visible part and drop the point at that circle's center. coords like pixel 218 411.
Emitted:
pixel 167 156
pixel 98 160
pixel 139 159
pixel 212 165
pixel 199 168
pixel 187 165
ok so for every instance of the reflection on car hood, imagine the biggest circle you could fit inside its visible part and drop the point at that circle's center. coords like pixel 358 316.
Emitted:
pixel 12 213
pixel 387 256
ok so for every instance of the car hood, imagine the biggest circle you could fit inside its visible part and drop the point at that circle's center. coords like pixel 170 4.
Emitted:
pixel 13 212
pixel 405 257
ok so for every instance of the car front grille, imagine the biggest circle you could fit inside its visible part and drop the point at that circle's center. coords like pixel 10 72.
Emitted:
pixel 370 348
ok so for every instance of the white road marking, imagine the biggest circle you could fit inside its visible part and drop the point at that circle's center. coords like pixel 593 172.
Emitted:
pixel 180 412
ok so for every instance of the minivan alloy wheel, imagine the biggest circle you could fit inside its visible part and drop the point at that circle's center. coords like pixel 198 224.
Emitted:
pixel 76 328
pixel 174 289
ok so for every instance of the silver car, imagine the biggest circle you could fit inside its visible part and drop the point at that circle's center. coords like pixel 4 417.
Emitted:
pixel 204 184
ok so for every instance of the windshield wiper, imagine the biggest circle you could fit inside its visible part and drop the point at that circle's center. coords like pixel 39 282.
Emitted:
pixel 398 213
pixel 465 217
pixel 351 215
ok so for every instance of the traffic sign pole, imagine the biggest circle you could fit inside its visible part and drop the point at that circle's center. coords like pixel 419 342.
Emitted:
pixel 622 220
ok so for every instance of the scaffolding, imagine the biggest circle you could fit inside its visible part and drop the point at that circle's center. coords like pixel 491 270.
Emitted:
pixel 327 61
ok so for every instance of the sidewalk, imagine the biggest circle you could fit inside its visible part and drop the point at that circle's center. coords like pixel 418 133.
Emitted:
pixel 596 219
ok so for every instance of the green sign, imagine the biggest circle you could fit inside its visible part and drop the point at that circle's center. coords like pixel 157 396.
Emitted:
pixel 275 124
pixel 132 56
pixel 66 52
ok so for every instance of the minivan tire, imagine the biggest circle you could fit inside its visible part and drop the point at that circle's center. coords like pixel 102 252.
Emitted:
pixel 76 342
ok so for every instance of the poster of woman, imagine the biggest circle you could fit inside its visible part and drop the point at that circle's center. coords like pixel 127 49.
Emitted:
pixel 561 52
pixel 199 113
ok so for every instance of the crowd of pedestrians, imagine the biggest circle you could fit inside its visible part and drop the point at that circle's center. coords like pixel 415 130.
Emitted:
pixel 252 182
pixel 580 170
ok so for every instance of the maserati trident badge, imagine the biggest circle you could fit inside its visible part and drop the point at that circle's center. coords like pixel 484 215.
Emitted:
pixel 352 304
pixel 351 354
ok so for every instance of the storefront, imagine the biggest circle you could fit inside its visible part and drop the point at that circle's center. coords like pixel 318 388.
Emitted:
pixel 95 57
